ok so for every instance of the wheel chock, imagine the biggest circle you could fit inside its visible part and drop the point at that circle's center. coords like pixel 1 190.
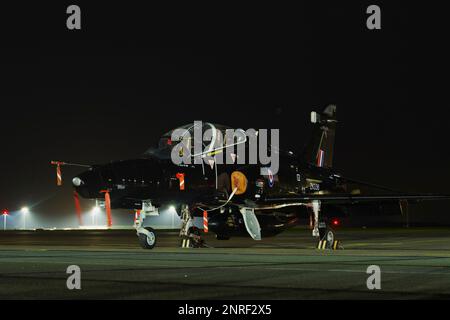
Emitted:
pixel 336 245
pixel 186 243
pixel 324 244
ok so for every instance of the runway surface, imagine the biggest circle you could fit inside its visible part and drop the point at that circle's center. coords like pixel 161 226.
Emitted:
pixel 415 264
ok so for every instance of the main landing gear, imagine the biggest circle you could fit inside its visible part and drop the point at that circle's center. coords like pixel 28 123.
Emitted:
pixel 189 234
pixel 322 231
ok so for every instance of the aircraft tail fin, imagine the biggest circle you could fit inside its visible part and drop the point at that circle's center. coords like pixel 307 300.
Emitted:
pixel 319 151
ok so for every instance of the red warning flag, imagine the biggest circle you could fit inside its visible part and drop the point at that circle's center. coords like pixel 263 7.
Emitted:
pixel 58 165
pixel 180 177
pixel 205 221
pixel 320 158
pixel 58 175
pixel 107 207
pixel 136 215
pixel 76 199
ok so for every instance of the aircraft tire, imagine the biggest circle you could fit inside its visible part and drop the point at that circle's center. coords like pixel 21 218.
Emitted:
pixel 195 240
pixel 147 242
pixel 326 234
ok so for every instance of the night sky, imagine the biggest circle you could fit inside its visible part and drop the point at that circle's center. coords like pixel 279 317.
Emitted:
pixel 132 73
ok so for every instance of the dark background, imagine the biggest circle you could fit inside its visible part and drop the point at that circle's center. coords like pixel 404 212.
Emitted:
pixel 133 72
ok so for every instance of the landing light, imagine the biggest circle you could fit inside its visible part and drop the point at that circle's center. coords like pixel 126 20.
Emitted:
pixel 25 210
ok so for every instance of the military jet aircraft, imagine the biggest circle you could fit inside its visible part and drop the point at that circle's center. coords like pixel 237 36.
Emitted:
pixel 235 198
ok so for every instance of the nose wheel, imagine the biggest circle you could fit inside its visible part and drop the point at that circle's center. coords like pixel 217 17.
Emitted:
pixel 146 235
pixel 147 239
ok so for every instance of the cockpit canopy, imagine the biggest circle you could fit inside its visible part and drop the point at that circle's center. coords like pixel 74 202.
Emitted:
pixel 216 132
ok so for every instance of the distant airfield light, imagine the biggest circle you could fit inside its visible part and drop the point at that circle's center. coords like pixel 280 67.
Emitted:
pixel 5 213
pixel 335 222
pixel 95 209
pixel 25 210
pixel 173 212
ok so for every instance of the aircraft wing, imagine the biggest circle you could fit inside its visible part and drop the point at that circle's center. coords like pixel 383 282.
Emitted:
pixel 357 198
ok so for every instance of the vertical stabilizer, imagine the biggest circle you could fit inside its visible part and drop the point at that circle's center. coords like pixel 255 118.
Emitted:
pixel 319 151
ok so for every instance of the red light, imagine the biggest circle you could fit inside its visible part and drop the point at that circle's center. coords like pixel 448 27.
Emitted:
pixel 335 222
pixel 5 212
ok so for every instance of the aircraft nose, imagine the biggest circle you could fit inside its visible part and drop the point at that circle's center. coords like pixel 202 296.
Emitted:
pixel 81 187
pixel 77 182
pixel 87 184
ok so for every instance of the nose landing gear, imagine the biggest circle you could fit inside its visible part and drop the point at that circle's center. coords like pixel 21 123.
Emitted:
pixel 146 235
pixel 189 234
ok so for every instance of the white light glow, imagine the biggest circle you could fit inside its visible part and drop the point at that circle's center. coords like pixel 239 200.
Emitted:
pixel 25 210
pixel 95 210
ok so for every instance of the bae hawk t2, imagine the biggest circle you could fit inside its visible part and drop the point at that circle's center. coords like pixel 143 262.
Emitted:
pixel 236 199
